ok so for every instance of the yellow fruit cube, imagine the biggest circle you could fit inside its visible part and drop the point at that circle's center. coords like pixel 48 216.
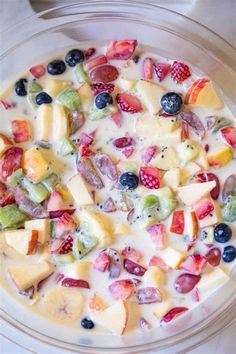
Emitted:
pixel 35 167
pixel 172 257
pixel 122 229
pixel 44 122
pixel 60 122
pixel 42 226
pixel 172 178
pixel 80 190
pixel 86 97
pixel 220 156
pixel 189 170
pixel 78 270
pixel 150 94
pixel 154 276
pixel 162 308
pixel 55 86
pixel 208 98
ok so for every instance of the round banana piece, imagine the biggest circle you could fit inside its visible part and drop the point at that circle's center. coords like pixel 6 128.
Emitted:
pixel 63 304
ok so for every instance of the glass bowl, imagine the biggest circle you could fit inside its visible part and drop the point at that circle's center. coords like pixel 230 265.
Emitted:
pixel 174 36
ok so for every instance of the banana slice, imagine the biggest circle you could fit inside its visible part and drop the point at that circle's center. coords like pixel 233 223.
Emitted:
pixel 63 304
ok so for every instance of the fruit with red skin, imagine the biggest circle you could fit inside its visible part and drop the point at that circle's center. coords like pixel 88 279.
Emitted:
pixel 85 139
pixel 132 253
pixel 5 104
pixel 177 224
pixel 65 247
pixel 186 282
pixel 86 168
pixel 128 152
pixel 148 153
pixel 3 189
pixel 102 262
pixel 194 90
pixel 129 103
pixel 106 166
pixel 20 131
pixel 10 162
pixel 207 177
pixel 157 233
pixel 147 68
pixel 122 289
pixel 55 202
pixel 184 131
pixel 179 72
pixel 161 70
pixel 213 256
pixel 134 268
pixel 100 87
pixel 203 208
pixel 89 52
pixel 84 150
pixel 150 177
pixel 104 73
pixel 76 121
pixel 34 210
pixel 117 118
pixel 229 134
pixel 75 283
pixel 121 50
pixel 96 304
pixel 194 264
pixel 123 142
pixel 172 314
pixel 54 214
pixel 64 224
pixel 37 71
pixel 148 295
pixel 194 122
pixel 7 199
pixel 97 61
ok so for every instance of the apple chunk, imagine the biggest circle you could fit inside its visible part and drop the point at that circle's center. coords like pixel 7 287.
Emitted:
pixel 42 226
pixel 80 190
pixel 5 144
pixel 191 193
pixel 23 241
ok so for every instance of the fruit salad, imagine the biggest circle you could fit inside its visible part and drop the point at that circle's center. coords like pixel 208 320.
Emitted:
pixel 117 189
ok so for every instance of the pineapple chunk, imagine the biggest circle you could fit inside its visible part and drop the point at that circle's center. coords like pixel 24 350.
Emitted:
pixel 220 156
pixel 23 241
pixel 172 178
pixel 211 281
pixel 60 122
pixel 154 276
pixel 26 275
pixel 42 226
pixel 150 94
pixel 172 257
pixel 78 270
pixel 80 190
pixel 86 97
pixel 191 193
pixel 122 229
pixel 189 170
pixel 166 159
pixel 35 167
pixel 44 122
pixel 162 308
pixel 54 86
pixel 213 218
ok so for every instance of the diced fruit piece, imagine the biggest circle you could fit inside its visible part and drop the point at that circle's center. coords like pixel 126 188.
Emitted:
pixel 154 276
pixel 150 94
pixel 172 257
pixel 213 256
pixel 203 208
pixel 229 134
pixel 64 225
pixel 229 188
pixel 194 122
pixel 178 222
pixel 104 73
pixel 80 190
pixel 172 314
pixel 161 70
pixel 191 193
pixel 61 128
pixel 122 289
pixel 213 218
pixel 171 103
pixel 210 122
pixel 11 216
pixel 119 311
pixel 123 142
pixel 7 198
pixel 87 170
pixel 67 147
pixel 191 169
pixel 158 262
pixel 35 167
pixel 148 295
pixel 172 178
pixel 184 131
pixel 207 235
pixel 122 229
pixel 229 211
pixel 37 71
pixel 134 268
pixel 97 304
pixel 106 166
pixel 220 156
pixel 167 201
pixel 76 121
pixel 50 182
pixel 221 123
pixel 63 258
pixel 81 75
pixel 162 308
pixel 194 264
pixel 211 280
pixel 23 241
pixel 194 90
pixel 55 86
pixel 148 153
pixel 132 253
pixel 191 223
pixel 179 72
pixel 55 202
pixel 70 99
pixel 26 275
pixel 126 84
pixel 10 162
pixel 74 283
pixel 205 177
pixel 42 226
pixel 62 247
pixel 100 87
pixel 147 68
pixel 96 113
pixel 166 159
pixel 37 192
pixel 34 87
pixel 144 324
pixel 44 122
pixel 116 117
pixel 102 262
pixel 109 206
pixel 86 97
pixel 121 50
pixel 187 151
pixel 149 208
pixel 5 144
pixel 129 103
pixel 186 282
pixel 157 233
pixel 203 94
pixel 34 210
pixel 149 177
pixel 222 233
pixel 97 61
pixel 15 178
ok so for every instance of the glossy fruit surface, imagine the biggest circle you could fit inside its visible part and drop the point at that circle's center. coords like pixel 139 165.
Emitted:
pixel 222 233
pixel 74 56
pixel 129 180
pixel 171 102
pixel 229 254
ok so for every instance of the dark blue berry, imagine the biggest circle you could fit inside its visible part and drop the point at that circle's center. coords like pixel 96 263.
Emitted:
pixel 43 98
pixel 103 99
pixel 229 254
pixel 20 89
pixel 129 180
pixel 171 103
pixel 222 233
pixel 86 323
pixel 56 67
pixel 74 57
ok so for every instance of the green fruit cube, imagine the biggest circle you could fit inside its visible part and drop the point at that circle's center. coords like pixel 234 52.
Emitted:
pixel 11 216
pixel 67 147
pixel 15 178
pixel 69 98
pixel 37 192
pixel 81 74
pixel 34 87
pixel 229 211
pixel 50 182
pixel 97 114
pixel 187 151
pixel 63 258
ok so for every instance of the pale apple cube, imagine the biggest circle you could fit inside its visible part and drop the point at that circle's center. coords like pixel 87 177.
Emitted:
pixel 154 276
pixel 77 270
pixel 212 280
pixel 54 86
pixel 172 257
pixel 79 190
pixel 150 95
pixel 191 193
pixel 43 129
pixel 60 123
pixel 189 170
pixel 213 218
pixel 23 241
pixel 172 178
pixel 42 226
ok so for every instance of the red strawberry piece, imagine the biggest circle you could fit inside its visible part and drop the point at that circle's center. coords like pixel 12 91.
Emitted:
pixel 75 283
pixel 194 264
pixel 214 256
pixel 7 199
pixel 179 72
pixel 122 289
pixel 109 206
pixel 121 50
pixel 148 153
pixel 184 131
pixel 104 73
pixel 37 71
pixel 100 87
pixel 144 324
pixel 64 246
pixel 229 134
pixel 123 142
pixel 158 262
pixel 54 214
pixel 3 189
pixel 84 150
pixel 85 139
pixel 102 262
pixel 128 152
pixel 186 282
pixel 207 177
pixel 89 52
pixel 129 103
pixel 172 314
pixel 150 177
pixel 191 245
pixel 195 295
pixel 148 68
pixel 117 118
pixel 177 224
pixel 134 268
pixel 148 295
pixel 203 208
pixel 106 166
pixel 132 253
pixel 65 224
pixel 55 202
pixel 92 63
pixel 161 70
pixel 20 131
pixel 5 104
pixel 88 171
pixel 158 235
pixel 10 162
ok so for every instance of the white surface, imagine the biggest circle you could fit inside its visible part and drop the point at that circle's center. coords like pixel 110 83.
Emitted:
pixel 216 14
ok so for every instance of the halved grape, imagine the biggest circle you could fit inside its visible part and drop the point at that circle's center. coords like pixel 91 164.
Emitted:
pixel 186 282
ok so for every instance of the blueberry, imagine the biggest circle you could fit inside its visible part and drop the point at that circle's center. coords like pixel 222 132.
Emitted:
pixel 103 99
pixel 229 254
pixel 129 180
pixel 222 233
pixel 43 98
pixel 171 102
pixel 86 323
pixel 56 67
pixel 20 87
pixel 74 57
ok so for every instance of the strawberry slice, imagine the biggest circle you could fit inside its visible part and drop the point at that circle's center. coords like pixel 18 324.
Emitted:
pixel 100 87
pixel 10 162
pixel 84 150
pixel 20 131
pixel 132 253
pixel 150 177
pixel 64 224
pixel 92 63
pixel 184 131
pixel 89 52
pixel 179 72
pixel 194 264
pixel 206 177
pixel 148 153
pixel 102 262
pixel 117 118
pixel 129 103
pixel 65 247
pixel 177 224
pixel 158 235
pixel 203 208
pixel 148 68
pixel 128 152
pixel 5 104
pixel 121 50
pixel 55 202
pixel 123 142
pixel 161 70
pixel 37 71
pixel 229 134
pixel 158 262
pixel 122 289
